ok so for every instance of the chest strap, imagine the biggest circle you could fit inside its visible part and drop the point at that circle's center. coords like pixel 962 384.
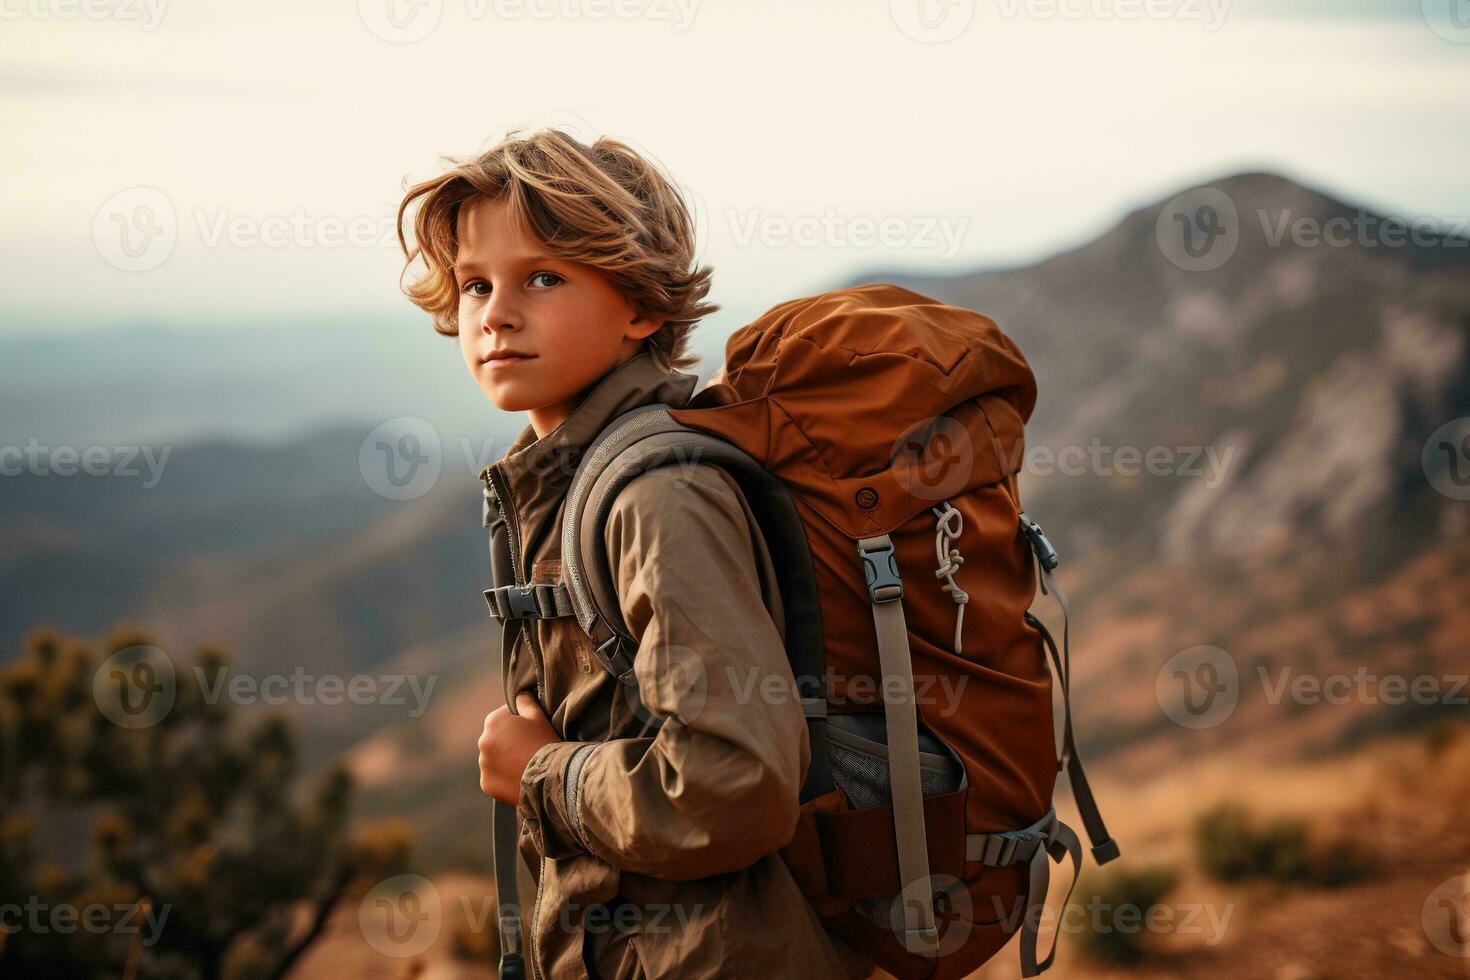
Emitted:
pixel 539 600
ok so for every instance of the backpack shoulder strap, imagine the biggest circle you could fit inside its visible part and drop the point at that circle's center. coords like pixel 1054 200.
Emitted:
pixel 647 438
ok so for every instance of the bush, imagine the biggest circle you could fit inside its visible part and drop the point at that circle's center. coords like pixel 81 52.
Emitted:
pixel 198 816
pixel 1233 847
pixel 1137 891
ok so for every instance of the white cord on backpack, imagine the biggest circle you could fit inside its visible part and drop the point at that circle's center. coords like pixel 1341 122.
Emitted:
pixel 951 525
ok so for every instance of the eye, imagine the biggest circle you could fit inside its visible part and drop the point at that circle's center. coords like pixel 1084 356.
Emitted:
pixel 546 275
pixel 474 285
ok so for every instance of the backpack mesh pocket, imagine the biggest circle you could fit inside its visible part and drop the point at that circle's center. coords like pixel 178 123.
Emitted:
pixel 860 768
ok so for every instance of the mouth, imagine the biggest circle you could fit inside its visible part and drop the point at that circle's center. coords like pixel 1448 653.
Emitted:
pixel 501 357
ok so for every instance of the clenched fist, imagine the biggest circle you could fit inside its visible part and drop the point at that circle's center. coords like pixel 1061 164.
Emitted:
pixel 507 744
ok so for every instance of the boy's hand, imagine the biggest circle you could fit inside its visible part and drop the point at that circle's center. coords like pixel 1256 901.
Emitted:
pixel 507 744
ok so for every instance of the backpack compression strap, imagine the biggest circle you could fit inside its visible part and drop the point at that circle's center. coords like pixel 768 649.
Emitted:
pixel 1104 847
pixel 885 593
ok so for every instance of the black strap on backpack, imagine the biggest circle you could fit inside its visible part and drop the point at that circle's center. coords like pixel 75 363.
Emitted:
pixel 1104 847
pixel 504 822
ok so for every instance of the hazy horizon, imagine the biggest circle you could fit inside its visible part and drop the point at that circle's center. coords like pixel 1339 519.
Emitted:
pixel 1037 130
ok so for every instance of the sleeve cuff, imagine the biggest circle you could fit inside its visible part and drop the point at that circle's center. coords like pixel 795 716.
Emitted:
pixel 547 806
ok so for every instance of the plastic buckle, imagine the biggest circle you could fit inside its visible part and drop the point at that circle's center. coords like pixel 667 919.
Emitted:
pixel 491 514
pixel 521 601
pixel 1045 553
pixel 880 568
pixel 610 659
pixel 1000 849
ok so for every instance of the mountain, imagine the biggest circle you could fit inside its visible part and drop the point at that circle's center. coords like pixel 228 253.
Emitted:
pixel 1311 540
pixel 289 557
pixel 1288 389
pixel 1320 370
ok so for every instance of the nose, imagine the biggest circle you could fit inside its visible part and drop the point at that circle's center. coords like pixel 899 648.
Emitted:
pixel 500 314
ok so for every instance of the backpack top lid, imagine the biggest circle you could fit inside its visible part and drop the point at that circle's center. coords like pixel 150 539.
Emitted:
pixel 872 403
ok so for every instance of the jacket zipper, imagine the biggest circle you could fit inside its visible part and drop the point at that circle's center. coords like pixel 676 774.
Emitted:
pixel 513 532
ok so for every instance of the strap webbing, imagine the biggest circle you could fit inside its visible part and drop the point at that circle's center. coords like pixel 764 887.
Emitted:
pixel 504 824
pixel 507 832
pixel 1061 842
pixel 900 713
pixel 1104 848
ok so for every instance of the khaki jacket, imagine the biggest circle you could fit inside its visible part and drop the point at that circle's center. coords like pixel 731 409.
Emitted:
pixel 654 849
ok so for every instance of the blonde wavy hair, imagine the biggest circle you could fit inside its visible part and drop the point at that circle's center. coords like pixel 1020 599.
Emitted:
pixel 604 205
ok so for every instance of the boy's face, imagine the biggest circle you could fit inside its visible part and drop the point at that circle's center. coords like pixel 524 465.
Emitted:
pixel 566 324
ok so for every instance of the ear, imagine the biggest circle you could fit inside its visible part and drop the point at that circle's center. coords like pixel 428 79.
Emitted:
pixel 643 328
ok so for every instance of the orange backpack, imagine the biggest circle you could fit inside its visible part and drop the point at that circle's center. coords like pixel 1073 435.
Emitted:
pixel 876 435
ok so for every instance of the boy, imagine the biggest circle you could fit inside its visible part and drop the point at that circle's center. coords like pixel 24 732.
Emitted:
pixel 566 271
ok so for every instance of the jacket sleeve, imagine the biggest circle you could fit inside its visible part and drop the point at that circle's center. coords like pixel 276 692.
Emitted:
pixel 719 785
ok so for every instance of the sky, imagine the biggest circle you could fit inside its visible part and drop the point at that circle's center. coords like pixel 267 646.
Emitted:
pixel 199 163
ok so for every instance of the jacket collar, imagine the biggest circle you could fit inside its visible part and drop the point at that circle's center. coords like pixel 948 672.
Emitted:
pixel 538 472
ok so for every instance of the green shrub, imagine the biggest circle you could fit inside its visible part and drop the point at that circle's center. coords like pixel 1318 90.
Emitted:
pixel 1233 846
pixel 1107 938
